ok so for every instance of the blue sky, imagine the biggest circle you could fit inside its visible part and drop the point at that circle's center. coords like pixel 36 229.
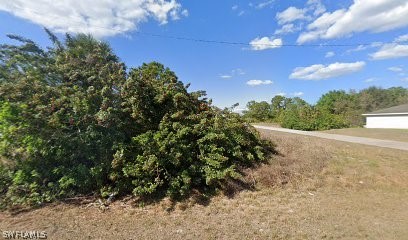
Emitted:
pixel 264 63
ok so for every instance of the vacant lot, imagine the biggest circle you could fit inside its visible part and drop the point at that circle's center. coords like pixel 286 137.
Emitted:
pixel 386 134
pixel 314 189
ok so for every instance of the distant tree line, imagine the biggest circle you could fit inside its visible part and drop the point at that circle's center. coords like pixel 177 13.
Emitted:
pixel 335 109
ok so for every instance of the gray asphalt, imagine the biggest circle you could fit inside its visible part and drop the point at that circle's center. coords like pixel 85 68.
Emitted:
pixel 361 140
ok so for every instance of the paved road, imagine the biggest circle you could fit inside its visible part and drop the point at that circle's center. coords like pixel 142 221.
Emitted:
pixel 351 139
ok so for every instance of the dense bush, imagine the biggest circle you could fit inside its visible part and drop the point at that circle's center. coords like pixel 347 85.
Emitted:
pixel 299 117
pixel 309 119
pixel 74 121
pixel 186 152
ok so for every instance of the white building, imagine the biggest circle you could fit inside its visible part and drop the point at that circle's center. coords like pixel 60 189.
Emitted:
pixel 393 117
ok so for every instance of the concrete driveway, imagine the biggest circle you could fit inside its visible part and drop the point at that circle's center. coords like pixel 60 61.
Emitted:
pixel 361 140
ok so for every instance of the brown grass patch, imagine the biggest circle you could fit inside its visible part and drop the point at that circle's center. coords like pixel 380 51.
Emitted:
pixel 299 160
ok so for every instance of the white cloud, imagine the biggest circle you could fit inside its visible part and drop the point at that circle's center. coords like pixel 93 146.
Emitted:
pixel 358 48
pixel 329 54
pixel 298 94
pixel 255 82
pixel 281 94
pixel 265 4
pixel 98 17
pixel 326 20
pixel 288 28
pixel 365 47
pixel 238 71
pixel 320 71
pixel 404 79
pixel 390 50
pixel 242 12
pixel 403 38
pixel 363 15
pixel 225 76
pixel 291 14
pixel 185 13
pixel 318 27
pixel 235 7
pixel 395 69
pixel 264 43
pixel 316 6
pixel 368 80
pixel 234 72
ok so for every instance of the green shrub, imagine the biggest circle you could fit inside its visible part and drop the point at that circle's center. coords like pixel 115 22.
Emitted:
pixel 310 119
pixel 74 122
pixel 185 143
pixel 301 118
pixel 193 151
pixel 326 121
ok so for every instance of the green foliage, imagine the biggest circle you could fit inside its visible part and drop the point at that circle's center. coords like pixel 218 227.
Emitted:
pixel 5 182
pixel 181 142
pixel 336 102
pixel 335 109
pixel 73 121
pixel 374 98
pixel 326 121
pixel 258 111
pixel 278 105
pixel 299 117
pixel 188 151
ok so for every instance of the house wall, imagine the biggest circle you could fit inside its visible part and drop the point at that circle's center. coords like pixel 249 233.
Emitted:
pixel 399 122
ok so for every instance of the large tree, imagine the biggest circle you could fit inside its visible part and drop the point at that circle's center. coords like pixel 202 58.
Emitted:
pixel 258 111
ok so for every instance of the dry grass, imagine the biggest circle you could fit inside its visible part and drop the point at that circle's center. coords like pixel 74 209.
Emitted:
pixel 288 167
pixel 316 189
pixel 386 134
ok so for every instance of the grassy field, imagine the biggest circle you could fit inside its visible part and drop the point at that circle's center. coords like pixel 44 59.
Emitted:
pixel 386 134
pixel 314 189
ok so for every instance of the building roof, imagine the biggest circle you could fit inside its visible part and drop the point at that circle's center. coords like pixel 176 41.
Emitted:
pixel 401 109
